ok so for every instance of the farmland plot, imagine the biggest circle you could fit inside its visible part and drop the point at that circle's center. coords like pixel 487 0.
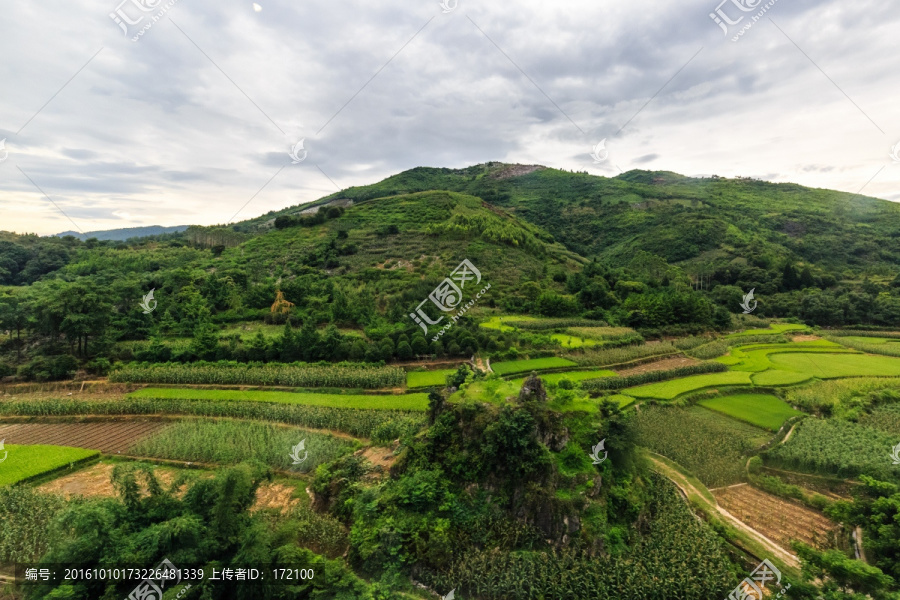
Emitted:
pixel 109 437
pixel 777 519
pixel 25 462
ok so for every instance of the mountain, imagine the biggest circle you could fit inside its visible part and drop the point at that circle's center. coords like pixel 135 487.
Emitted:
pixel 124 234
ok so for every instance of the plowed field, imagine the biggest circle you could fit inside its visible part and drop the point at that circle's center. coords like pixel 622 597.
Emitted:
pixel 777 519
pixel 109 437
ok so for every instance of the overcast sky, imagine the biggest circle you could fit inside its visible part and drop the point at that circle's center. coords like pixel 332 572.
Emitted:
pixel 193 122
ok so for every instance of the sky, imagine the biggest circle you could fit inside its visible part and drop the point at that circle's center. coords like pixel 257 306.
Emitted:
pixel 174 112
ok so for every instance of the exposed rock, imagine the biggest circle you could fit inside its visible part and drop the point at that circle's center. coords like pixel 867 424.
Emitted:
pixel 533 389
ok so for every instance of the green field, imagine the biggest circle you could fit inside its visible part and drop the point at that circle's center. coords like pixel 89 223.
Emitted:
pixel 571 341
pixel 774 328
pixel 774 377
pixel 354 401
pixel 24 462
pixel 417 379
pixel 711 446
pixel 231 442
pixel 571 376
pixel 497 322
pixel 829 366
pixel 757 357
pixel 535 364
pixel 762 410
pixel 667 390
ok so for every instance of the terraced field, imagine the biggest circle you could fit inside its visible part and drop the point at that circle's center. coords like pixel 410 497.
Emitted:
pixel 418 402
pixel 762 410
pixel 109 437
pixel 779 520
pixel 535 364
pixel 668 390
pixel 26 461
pixel 829 366
pixel 419 379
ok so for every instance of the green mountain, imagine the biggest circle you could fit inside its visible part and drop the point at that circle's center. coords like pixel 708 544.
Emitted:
pixel 124 234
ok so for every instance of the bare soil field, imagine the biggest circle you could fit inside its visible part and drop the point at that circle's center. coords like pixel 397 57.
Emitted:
pixel 109 437
pixel 778 519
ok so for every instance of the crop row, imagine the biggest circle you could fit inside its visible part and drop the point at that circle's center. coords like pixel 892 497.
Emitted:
pixel 836 447
pixel 604 356
pixel 380 425
pixel 677 558
pixel 340 375
pixel 872 347
pixel 618 383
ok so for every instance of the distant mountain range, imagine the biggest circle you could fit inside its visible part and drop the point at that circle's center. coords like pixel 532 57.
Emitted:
pixel 124 234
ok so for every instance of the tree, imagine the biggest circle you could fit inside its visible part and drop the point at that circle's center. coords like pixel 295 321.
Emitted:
pixel 404 352
pixel 290 346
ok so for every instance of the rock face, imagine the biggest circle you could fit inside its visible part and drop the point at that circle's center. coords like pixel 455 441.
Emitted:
pixel 533 390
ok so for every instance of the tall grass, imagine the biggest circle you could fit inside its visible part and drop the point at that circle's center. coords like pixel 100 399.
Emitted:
pixel 892 349
pixel 340 375
pixel 839 397
pixel 230 442
pixel 612 356
pixel 379 425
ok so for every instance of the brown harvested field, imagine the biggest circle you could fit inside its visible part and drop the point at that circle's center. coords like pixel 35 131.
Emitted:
pixel 659 365
pixel 110 437
pixel 94 482
pixel 778 519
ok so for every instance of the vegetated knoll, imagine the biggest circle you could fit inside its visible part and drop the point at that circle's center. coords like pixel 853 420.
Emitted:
pixel 710 220
pixel 408 244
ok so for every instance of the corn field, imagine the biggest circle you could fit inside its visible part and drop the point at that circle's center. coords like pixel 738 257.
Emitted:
pixel 230 442
pixel 339 375
pixel 25 514
pixel 679 559
pixel 613 356
pixel 379 425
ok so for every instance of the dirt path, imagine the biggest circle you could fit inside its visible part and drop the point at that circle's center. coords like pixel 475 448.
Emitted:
pixel 688 488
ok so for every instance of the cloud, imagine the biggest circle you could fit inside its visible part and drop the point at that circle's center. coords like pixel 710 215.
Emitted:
pixel 187 124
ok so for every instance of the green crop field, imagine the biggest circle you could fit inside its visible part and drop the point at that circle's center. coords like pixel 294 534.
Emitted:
pixel 774 328
pixel 710 445
pixel 571 341
pixel 24 462
pixel 828 366
pixel 837 448
pixel 757 357
pixel 762 410
pixel 885 418
pixel 773 377
pixel 667 390
pixel 352 401
pixel 498 322
pixel 230 442
pixel 571 376
pixel 534 364
pixel 417 379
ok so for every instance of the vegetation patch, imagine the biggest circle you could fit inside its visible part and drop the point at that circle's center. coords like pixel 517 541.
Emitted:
pixel 774 377
pixel 418 379
pixel 231 442
pixel 418 402
pixel 762 410
pixel 26 462
pixel 346 375
pixel 667 390
pixel 618 383
pixel 711 446
pixel 831 366
pixel 534 364
pixel 836 447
